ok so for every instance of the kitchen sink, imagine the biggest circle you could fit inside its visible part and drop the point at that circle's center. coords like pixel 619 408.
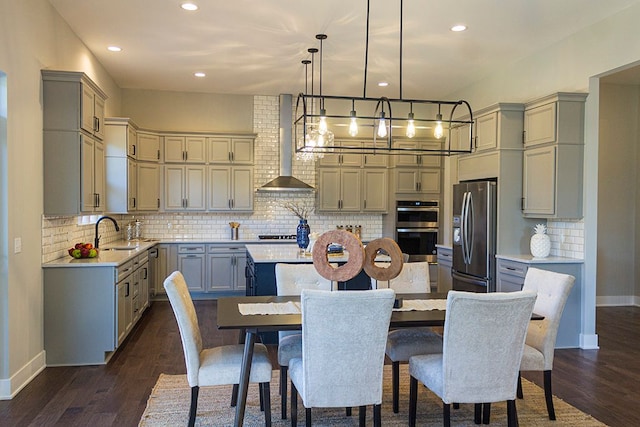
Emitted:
pixel 120 248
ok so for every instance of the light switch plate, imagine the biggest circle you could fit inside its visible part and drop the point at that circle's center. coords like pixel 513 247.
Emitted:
pixel 17 245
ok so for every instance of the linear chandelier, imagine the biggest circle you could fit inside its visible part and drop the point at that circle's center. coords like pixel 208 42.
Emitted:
pixel 327 123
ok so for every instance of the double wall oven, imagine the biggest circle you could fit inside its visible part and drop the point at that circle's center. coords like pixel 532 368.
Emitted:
pixel 417 228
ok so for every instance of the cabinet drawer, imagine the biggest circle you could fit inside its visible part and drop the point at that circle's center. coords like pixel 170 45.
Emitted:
pixel 124 270
pixel 217 248
pixel 512 268
pixel 191 249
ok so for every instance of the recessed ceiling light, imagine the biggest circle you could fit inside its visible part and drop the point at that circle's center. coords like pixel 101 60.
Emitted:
pixel 189 6
pixel 383 84
pixel 199 74
pixel 114 48
pixel 458 28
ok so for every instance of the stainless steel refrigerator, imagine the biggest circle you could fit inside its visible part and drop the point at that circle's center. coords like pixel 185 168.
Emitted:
pixel 474 236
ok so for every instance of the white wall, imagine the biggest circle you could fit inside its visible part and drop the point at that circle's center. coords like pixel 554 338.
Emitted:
pixel 32 37
pixel 617 183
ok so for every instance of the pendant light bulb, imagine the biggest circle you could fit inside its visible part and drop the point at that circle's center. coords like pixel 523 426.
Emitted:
pixel 353 124
pixel 382 126
pixel 322 126
pixel 411 127
pixel 438 131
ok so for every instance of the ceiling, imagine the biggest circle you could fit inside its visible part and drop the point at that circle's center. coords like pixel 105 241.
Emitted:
pixel 256 46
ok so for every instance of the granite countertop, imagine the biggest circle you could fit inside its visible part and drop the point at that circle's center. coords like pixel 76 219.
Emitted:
pixel 527 258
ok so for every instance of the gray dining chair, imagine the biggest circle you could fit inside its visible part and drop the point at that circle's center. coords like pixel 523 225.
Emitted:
pixel 482 348
pixel 343 340
pixel 213 366
pixel 406 342
pixel 553 290
pixel 291 279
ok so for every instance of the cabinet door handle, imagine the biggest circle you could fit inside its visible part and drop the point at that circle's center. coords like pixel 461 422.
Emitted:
pixel 158 203
pixel 365 204
pixel 522 204
pixel 233 156
pixel 134 201
pixel 524 136
pixel 134 150
pixel 191 256
pixel 126 294
pixel 186 156
pixel 158 154
pixel 146 273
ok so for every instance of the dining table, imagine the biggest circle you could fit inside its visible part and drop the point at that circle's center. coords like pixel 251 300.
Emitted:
pixel 430 311
pixel 230 317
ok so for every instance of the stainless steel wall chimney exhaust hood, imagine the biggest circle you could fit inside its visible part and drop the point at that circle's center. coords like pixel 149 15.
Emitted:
pixel 286 182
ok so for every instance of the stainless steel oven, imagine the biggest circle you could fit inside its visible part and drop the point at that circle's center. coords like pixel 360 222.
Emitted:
pixel 417 228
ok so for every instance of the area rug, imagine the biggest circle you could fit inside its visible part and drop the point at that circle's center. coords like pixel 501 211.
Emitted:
pixel 168 405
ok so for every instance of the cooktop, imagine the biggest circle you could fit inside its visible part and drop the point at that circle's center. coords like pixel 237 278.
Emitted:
pixel 277 237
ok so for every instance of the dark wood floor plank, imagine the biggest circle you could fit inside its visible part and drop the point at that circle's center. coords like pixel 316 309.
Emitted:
pixel 603 383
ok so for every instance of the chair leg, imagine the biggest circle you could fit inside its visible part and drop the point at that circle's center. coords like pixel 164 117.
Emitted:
pixel 548 395
pixel 194 405
pixel 307 416
pixel 347 411
pixel 294 405
pixel 486 413
pixel 519 390
pixel 234 396
pixel 456 405
pixel 413 400
pixel 362 416
pixel 512 414
pixel 266 391
pixel 446 415
pixel 395 385
pixel 261 392
pixel 283 391
pixel 377 415
pixel 477 413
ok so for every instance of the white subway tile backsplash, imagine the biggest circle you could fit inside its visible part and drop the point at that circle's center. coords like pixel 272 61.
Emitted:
pixel 567 238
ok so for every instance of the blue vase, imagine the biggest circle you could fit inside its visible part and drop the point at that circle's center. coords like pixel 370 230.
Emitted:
pixel 302 234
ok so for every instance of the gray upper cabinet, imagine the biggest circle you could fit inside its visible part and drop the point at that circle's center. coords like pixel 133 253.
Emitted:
pixel 184 149
pixel 553 156
pixel 74 155
pixel 230 150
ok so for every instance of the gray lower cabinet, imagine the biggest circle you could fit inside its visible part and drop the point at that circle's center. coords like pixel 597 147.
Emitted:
pixel 225 268
pixel 89 311
pixel 210 269
pixel 510 278
pixel 445 262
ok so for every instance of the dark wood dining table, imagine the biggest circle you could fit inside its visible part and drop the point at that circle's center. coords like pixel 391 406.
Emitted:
pixel 229 317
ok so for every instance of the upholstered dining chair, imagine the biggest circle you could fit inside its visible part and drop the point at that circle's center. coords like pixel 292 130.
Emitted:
pixel 213 366
pixel 343 339
pixel 482 348
pixel 406 342
pixel 291 279
pixel 553 290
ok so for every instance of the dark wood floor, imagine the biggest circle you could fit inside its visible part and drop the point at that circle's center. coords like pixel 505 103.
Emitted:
pixel 603 383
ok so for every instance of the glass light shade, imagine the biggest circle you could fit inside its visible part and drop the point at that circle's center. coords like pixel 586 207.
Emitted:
pixel 353 124
pixel 411 129
pixel 322 126
pixel 438 131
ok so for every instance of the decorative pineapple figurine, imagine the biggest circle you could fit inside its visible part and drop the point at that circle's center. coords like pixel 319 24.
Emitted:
pixel 540 242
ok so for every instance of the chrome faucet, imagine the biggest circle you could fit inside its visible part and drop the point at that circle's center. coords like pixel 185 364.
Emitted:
pixel 96 241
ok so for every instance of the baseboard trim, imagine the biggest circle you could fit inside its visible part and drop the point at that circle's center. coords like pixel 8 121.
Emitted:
pixel 617 300
pixel 589 342
pixel 10 387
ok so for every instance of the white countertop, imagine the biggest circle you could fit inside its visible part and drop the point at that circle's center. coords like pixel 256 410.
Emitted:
pixel 105 258
pixel 526 258
pixel 284 253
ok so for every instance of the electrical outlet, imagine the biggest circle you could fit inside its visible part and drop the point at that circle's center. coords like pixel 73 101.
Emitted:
pixel 17 245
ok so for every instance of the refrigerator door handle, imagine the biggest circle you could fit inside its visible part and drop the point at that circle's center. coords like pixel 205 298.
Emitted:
pixel 463 228
pixel 470 219
pixel 470 280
